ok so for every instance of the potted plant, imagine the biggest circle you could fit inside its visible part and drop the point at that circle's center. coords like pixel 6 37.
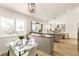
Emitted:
pixel 21 37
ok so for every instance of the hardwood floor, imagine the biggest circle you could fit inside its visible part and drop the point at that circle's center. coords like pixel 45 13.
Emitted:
pixel 66 47
pixel 41 53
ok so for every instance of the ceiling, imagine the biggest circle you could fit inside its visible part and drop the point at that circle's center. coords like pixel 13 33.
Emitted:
pixel 44 11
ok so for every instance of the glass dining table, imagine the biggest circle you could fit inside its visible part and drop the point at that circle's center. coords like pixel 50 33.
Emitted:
pixel 18 47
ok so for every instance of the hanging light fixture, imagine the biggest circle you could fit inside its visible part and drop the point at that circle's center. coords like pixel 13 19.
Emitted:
pixel 54 21
pixel 31 7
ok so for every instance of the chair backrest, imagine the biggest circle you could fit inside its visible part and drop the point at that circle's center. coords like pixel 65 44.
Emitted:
pixel 32 52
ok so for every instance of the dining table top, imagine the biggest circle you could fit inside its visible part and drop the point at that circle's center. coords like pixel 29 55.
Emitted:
pixel 21 47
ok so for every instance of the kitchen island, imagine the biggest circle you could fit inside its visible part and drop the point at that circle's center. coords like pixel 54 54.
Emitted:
pixel 46 42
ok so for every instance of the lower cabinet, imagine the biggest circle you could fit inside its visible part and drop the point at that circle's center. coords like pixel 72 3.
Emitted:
pixel 46 44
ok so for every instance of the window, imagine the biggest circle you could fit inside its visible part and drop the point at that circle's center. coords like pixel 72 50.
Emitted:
pixel 7 25
pixel 36 27
pixel 20 26
pixel 12 26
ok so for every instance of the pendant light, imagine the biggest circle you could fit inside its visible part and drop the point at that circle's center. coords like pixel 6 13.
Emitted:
pixel 31 7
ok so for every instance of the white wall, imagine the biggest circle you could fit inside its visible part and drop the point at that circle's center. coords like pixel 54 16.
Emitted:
pixel 70 19
pixel 14 15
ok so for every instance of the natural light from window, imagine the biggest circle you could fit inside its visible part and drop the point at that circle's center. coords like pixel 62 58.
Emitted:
pixel 10 26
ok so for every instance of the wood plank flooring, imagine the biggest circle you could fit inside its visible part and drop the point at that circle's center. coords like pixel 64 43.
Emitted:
pixel 66 47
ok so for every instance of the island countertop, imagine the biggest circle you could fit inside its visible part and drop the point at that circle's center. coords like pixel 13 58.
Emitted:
pixel 42 35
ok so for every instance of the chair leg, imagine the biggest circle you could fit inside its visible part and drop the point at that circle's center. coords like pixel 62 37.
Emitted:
pixel 36 54
pixel 8 53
